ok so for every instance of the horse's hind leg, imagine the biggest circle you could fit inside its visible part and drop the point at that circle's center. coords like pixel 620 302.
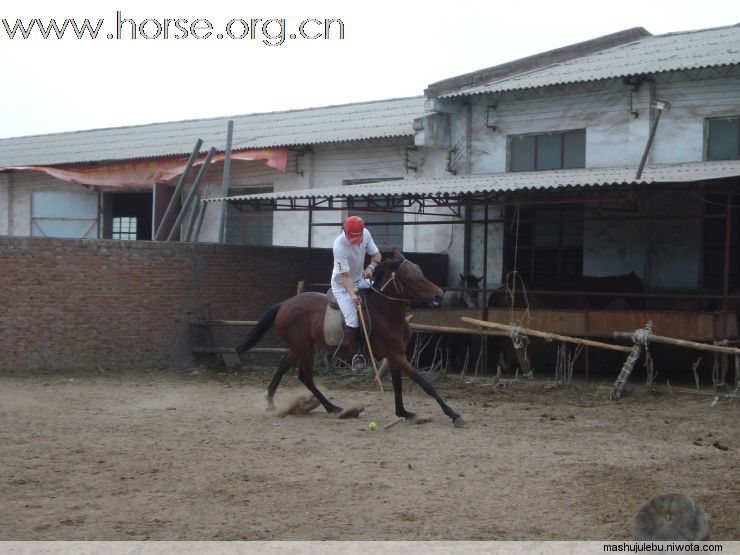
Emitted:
pixel 286 363
pixel 305 374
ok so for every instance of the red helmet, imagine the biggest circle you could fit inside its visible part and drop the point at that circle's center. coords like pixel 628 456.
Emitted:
pixel 353 229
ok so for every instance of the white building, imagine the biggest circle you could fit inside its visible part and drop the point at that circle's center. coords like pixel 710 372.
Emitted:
pixel 111 188
pixel 520 138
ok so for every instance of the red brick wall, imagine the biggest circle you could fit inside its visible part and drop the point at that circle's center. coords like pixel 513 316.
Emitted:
pixel 67 303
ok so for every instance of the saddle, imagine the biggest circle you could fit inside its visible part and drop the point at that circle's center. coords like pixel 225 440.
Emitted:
pixel 333 319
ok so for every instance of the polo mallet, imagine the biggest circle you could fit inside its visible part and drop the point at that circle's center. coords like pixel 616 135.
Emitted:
pixel 370 349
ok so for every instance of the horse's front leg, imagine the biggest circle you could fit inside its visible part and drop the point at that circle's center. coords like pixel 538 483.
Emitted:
pixel 399 363
pixel 398 394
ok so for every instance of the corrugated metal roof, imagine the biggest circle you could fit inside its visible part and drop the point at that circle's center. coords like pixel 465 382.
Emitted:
pixel 653 54
pixel 514 181
pixel 348 122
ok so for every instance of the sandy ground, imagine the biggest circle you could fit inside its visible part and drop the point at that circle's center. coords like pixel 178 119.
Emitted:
pixel 195 457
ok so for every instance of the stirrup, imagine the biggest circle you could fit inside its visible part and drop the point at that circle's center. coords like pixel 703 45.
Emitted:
pixel 359 364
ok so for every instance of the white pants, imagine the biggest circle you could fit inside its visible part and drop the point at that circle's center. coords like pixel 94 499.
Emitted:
pixel 346 304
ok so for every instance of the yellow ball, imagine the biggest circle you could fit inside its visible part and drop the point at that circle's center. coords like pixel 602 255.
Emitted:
pixel 372 426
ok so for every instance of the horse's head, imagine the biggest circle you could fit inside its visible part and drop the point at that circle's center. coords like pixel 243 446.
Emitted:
pixel 469 281
pixel 399 277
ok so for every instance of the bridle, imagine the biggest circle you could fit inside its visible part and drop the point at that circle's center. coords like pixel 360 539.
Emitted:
pixel 396 285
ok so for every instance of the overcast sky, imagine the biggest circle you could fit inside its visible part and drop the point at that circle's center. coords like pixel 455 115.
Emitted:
pixel 390 49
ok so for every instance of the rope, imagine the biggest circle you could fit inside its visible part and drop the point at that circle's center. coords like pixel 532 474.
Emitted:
pixel 516 337
pixel 642 336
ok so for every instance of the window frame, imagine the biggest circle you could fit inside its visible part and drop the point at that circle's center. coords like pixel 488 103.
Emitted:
pixel 536 136
pixel 122 235
pixel 707 121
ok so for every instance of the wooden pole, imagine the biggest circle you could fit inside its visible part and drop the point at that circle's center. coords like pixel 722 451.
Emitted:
pixel 548 336
pixel 682 343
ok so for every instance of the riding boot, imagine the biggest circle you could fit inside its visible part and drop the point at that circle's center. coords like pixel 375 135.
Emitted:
pixel 352 337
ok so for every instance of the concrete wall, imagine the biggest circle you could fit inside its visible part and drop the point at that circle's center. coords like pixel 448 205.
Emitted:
pixel 666 254
pixel 326 165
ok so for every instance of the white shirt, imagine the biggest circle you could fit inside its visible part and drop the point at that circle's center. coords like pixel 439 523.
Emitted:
pixel 350 258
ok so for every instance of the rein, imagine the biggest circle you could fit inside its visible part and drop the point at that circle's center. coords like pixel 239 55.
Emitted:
pixel 395 284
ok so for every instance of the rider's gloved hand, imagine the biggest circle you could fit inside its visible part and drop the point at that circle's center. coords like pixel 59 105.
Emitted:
pixel 369 271
pixel 356 299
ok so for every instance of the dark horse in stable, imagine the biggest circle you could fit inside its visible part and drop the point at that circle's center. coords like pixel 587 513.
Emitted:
pixel 299 321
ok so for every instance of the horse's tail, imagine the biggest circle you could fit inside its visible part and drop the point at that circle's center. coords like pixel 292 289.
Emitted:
pixel 264 324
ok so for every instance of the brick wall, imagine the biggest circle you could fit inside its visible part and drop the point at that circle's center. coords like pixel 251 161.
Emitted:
pixel 67 303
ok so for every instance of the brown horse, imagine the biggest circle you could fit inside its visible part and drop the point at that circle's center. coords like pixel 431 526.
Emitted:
pixel 299 322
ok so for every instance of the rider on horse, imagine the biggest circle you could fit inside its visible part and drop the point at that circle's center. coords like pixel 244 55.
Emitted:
pixel 348 276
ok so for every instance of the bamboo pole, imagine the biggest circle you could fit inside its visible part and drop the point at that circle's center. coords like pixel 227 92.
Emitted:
pixel 450 329
pixel 548 336
pixel 682 343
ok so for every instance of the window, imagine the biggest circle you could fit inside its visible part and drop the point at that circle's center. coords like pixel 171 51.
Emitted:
pixel 64 214
pixel 546 244
pixel 383 225
pixel 246 225
pixel 723 139
pixel 548 151
pixel 124 228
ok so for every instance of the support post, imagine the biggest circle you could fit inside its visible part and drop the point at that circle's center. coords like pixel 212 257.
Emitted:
pixel 225 180
pixel 178 190
pixel 194 189
pixel 484 343
pixel 194 216
pixel 310 243
pixel 726 273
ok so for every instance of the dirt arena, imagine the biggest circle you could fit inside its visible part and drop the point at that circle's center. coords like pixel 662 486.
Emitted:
pixel 194 456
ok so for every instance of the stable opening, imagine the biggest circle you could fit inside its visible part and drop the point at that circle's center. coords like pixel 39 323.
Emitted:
pixel 127 216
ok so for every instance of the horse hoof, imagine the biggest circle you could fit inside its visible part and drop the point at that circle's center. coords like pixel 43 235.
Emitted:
pixel 459 422
pixel 270 408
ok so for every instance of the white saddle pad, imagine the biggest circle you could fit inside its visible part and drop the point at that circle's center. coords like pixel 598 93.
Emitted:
pixel 333 332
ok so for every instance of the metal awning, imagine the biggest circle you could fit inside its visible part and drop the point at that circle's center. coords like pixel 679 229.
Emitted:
pixel 470 188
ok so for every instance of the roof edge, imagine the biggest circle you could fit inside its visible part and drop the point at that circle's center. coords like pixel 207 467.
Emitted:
pixel 213 118
pixel 536 61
